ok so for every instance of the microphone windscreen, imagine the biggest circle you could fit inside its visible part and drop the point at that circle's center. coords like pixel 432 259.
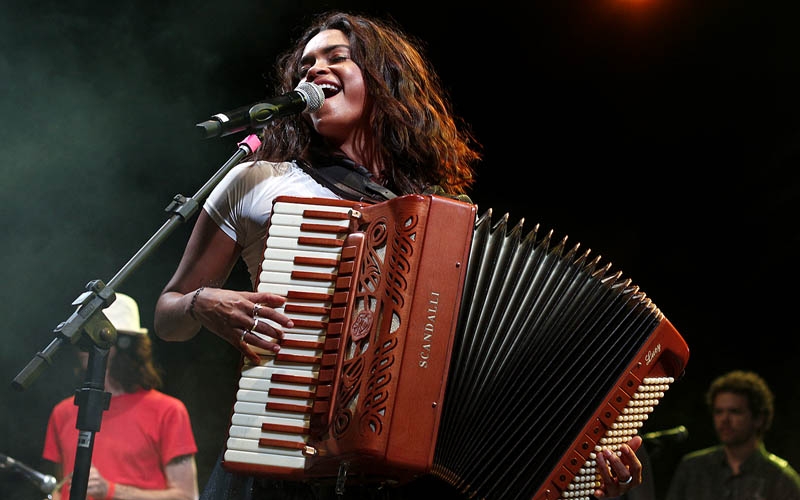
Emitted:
pixel 313 95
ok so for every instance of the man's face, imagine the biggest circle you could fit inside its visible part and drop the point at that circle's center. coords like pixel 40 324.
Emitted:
pixel 733 421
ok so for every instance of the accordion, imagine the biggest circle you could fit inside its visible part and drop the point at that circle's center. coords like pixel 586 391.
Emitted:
pixel 430 341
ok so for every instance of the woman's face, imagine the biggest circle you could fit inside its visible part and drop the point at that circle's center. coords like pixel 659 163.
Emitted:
pixel 326 62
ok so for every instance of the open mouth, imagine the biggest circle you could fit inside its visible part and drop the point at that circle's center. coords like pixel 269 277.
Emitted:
pixel 329 90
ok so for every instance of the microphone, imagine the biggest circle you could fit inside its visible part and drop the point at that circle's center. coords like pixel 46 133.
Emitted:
pixel 674 435
pixel 45 482
pixel 307 97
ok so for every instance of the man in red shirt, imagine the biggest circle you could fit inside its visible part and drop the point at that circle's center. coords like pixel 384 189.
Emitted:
pixel 145 447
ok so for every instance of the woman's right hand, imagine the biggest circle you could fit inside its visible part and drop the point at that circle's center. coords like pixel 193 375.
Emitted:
pixel 243 319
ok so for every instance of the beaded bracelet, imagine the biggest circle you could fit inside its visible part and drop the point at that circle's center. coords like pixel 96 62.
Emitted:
pixel 194 300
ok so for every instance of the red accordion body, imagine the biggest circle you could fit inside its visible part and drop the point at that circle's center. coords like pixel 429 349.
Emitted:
pixel 429 342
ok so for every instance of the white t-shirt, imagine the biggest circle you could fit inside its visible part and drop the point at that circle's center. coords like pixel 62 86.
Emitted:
pixel 241 203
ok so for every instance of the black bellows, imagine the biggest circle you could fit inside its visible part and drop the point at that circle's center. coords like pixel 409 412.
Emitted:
pixel 544 332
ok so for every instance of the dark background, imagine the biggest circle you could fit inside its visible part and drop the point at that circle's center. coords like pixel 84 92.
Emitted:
pixel 661 134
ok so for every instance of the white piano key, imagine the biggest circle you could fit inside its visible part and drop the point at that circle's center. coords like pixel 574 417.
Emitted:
pixel 266 369
pixel 296 333
pixel 279 254
pixel 294 245
pixel 304 335
pixel 264 397
pixel 259 409
pixel 246 420
pixel 307 333
pixel 259 458
pixel 284 207
pixel 260 384
pixel 283 266
pixel 303 370
pixel 313 316
pixel 301 351
pixel 306 302
pixel 269 276
pixel 293 304
pixel 326 305
pixel 301 332
pixel 268 356
pixel 283 219
pixel 253 433
pixel 296 232
pixel 283 288
pixel 252 445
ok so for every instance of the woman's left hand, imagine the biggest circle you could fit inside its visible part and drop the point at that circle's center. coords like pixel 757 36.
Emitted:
pixel 619 473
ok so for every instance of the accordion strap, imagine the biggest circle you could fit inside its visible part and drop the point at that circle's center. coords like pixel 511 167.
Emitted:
pixel 350 181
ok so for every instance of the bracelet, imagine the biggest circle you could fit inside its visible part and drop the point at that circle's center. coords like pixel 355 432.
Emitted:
pixel 194 300
pixel 110 491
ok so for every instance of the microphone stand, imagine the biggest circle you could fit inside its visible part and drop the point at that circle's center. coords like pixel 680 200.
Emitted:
pixel 89 328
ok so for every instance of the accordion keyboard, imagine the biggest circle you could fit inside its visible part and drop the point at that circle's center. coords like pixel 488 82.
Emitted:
pixel 280 400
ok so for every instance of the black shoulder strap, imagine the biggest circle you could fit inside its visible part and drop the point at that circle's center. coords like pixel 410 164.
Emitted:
pixel 351 183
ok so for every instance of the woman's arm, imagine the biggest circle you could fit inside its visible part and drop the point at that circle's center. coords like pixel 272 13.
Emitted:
pixel 207 261
pixel 192 298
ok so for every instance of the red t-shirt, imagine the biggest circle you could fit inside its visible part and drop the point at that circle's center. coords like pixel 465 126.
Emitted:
pixel 139 434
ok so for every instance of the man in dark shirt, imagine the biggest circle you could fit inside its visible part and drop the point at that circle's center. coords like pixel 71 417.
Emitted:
pixel 740 467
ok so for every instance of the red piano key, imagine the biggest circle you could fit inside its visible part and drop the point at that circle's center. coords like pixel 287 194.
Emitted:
pixel 298 358
pixel 322 214
pixel 301 309
pixel 288 429
pixel 322 228
pixel 308 275
pixel 322 242
pixel 288 407
pixel 279 443
pixel 293 379
pixel 290 393
pixel 303 344
pixel 297 295
pixel 315 261
pixel 307 323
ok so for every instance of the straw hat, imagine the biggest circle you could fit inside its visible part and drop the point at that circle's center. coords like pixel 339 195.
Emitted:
pixel 124 315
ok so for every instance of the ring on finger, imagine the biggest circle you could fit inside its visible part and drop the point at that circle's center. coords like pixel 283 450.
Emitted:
pixel 244 334
pixel 255 324
pixel 627 481
pixel 256 308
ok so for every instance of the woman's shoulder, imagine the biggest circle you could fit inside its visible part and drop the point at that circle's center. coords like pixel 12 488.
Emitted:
pixel 263 180
pixel 262 168
pixel 243 177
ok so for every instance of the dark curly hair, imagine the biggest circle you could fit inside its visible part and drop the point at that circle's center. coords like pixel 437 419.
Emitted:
pixel 759 397
pixel 409 126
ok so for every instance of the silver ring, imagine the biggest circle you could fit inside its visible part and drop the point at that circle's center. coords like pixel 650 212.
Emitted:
pixel 628 481
pixel 256 308
pixel 255 324
pixel 244 333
